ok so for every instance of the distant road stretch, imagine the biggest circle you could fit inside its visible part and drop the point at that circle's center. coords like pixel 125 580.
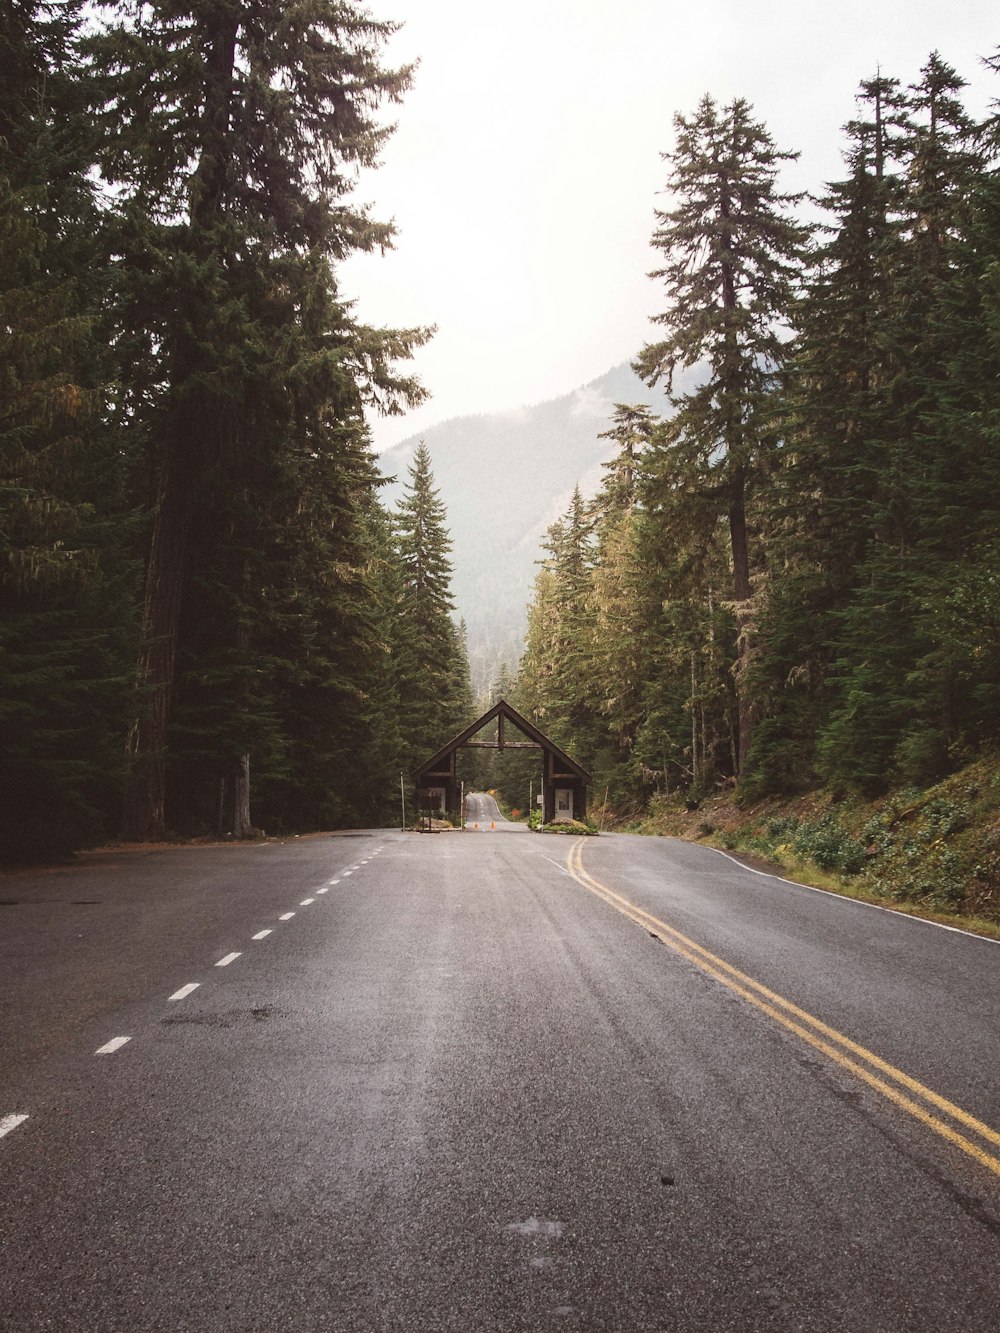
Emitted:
pixel 481 810
pixel 384 1081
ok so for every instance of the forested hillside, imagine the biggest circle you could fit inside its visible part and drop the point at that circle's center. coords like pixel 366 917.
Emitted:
pixel 792 579
pixel 504 478
pixel 780 567
pixel 208 620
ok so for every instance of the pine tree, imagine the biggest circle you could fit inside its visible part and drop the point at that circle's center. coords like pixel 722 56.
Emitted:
pixel 689 728
pixel 894 715
pixel 64 573
pixel 623 606
pixel 954 476
pixel 231 132
pixel 733 258
pixel 555 677
pixel 823 500
pixel 433 680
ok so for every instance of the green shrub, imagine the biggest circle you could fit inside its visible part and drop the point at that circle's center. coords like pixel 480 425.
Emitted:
pixel 830 846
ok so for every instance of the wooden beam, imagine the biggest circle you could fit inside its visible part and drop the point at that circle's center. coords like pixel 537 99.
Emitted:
pixel 503 713
pixel 494 745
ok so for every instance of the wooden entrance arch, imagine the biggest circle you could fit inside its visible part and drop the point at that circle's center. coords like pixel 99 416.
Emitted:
pixel 564 781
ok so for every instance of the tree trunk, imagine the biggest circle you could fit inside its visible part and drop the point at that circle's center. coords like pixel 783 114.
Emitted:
pixel 144 819
pixel 186 426
pixel 741 596
pixel 241 798
pixel 695 754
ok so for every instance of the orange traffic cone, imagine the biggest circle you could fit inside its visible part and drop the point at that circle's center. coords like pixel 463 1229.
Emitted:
pixel 492 825
pixel 476 824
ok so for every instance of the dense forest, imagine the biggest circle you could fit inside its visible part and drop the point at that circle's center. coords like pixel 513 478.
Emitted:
pixel 208 621
pixel 792 578
pixel 211 624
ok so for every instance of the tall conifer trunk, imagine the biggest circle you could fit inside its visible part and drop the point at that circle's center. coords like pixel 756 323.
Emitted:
pixel 741 597
pixel 183 458
pixel 241 827
pixel 144 819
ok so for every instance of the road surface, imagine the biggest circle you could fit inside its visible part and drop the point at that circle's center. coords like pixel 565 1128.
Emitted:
pixel 388 1081
pixel 482 812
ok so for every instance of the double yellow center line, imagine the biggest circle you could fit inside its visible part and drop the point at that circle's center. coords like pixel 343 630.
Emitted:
pixel 941 1116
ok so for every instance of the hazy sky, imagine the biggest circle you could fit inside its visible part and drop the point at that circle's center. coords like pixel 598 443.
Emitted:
pixel 526 166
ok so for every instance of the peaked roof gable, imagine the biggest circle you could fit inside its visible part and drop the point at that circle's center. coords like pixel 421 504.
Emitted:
pixel 503 709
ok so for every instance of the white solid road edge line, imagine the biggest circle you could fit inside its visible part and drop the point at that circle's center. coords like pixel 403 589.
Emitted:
pixel 115 1044
pixel 184 991
pixel 858 902
pixel 229 958
pixel 558 865
pixel 10 1122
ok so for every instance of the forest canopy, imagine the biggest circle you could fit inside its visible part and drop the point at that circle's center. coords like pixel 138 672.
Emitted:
pixel 792 579
pixel 207 618
pixel 210 622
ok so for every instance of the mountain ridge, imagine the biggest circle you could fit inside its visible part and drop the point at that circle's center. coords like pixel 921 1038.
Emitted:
pixel 504 478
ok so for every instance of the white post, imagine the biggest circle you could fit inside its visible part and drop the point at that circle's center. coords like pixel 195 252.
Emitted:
pixel 402 799
pixel 461 808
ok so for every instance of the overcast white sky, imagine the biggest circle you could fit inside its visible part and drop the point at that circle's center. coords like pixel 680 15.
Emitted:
pixel 526 166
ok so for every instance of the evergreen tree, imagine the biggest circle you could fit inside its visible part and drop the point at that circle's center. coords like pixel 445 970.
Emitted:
pixel 687 733
pixel 433 679
pixel 894 714
pixel 64 574
pixel 823 500
pixel 623 606
pixel 231 132
pixel 555 678
pixel 733 258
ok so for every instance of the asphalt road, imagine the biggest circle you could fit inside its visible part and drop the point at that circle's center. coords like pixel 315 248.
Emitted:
pixel 482 812
pixel 479 1082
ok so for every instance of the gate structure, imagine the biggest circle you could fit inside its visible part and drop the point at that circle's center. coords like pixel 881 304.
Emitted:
pixel 564 781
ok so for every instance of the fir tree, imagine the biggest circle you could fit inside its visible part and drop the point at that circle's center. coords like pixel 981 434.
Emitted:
pixel 556 671
pixel 433 681
pixel 623 606
pixel 733 257
pixel 64 574
pixel 821 508
pixel 894 714
pixel 232 131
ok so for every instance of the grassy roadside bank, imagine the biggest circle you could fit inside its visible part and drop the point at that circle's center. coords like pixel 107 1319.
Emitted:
pixel 933 852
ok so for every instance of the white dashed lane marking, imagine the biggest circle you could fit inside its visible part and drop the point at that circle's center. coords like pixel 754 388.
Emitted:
pixel 11 1122
pixel 115 1044
pixel 185 990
